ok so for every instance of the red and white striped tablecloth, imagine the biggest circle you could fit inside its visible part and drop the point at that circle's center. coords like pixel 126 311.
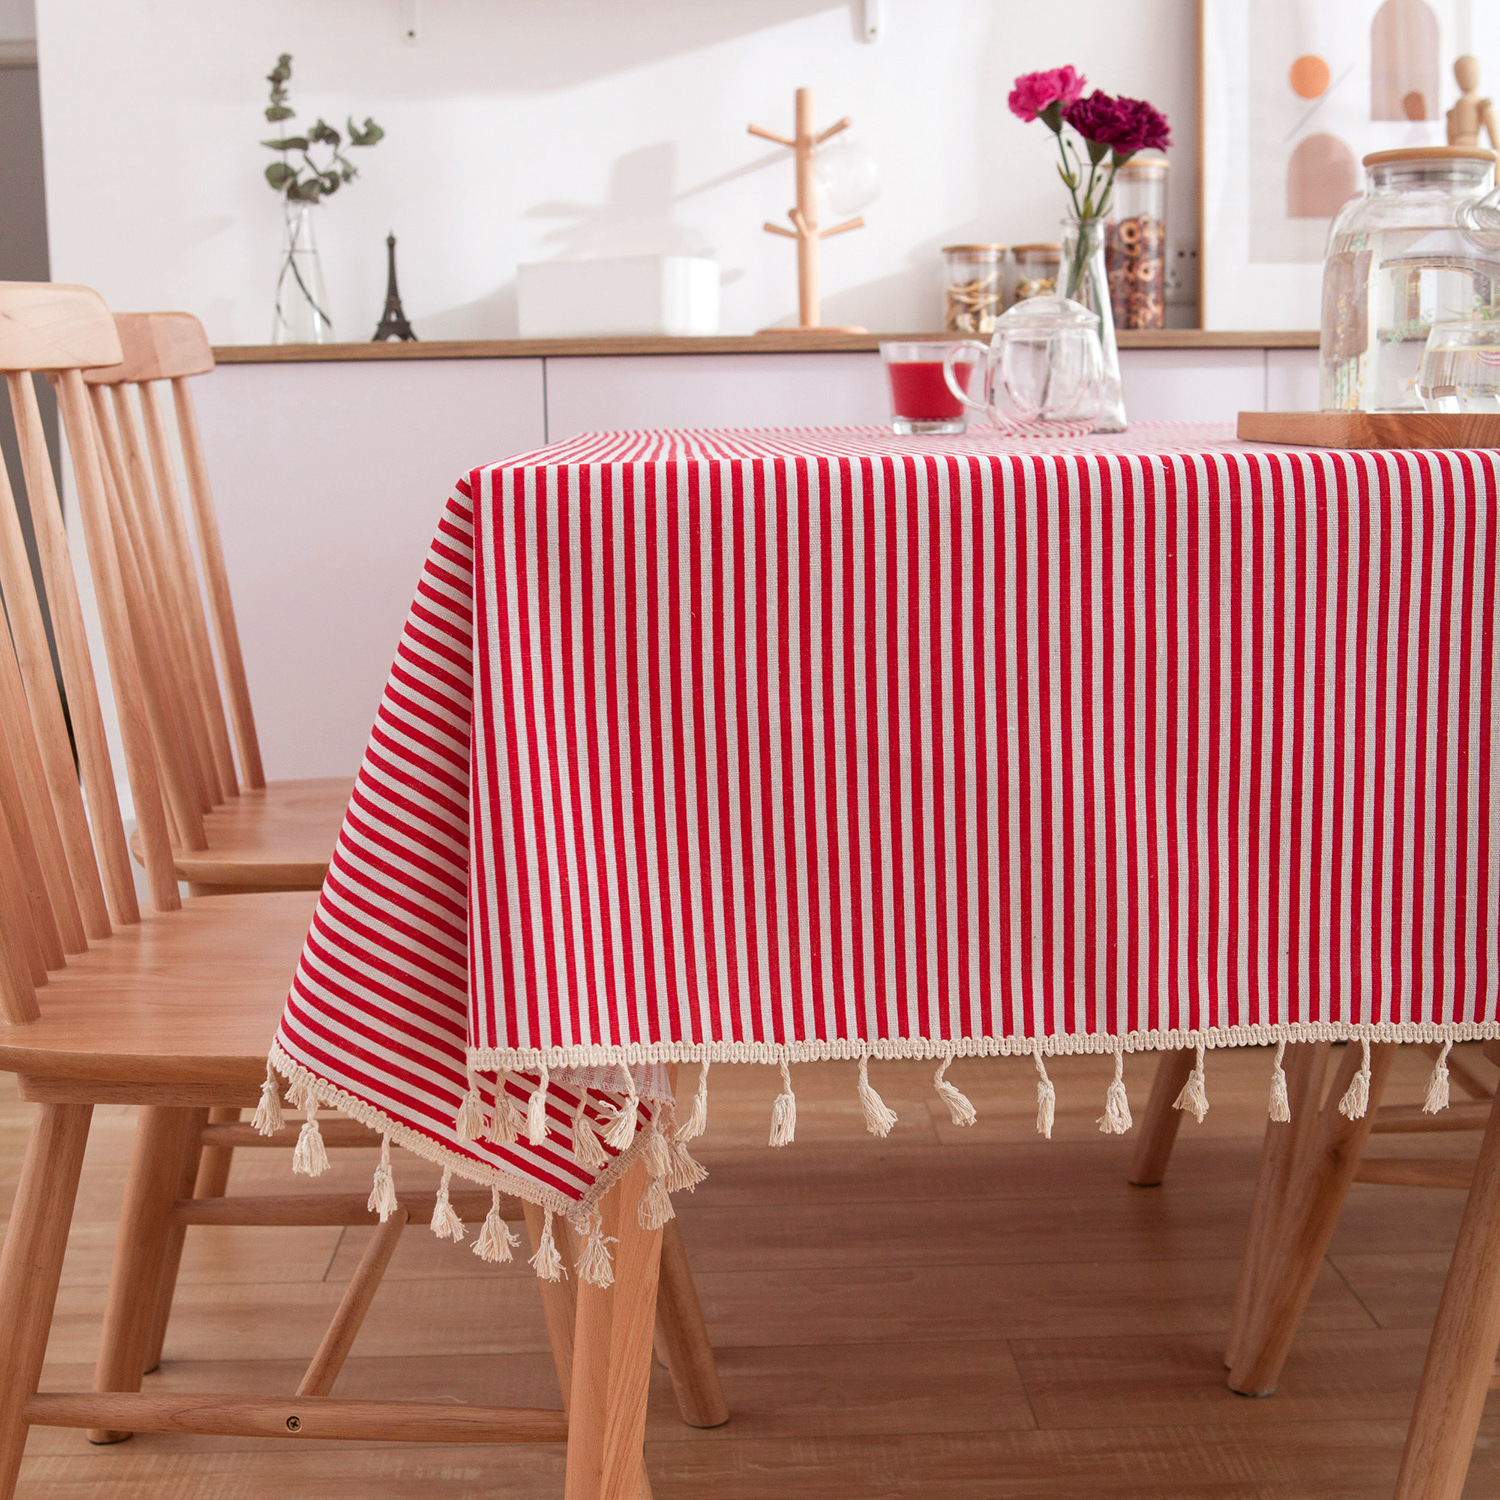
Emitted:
pixel 784 745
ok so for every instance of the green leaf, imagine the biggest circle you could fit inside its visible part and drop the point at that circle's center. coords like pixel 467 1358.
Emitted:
pixel 282 71
pixel 366 137
pixel 278 174
pixel 276 112
pixel 306 192
pixel 288 143
pixel 329 182
pixel 325 134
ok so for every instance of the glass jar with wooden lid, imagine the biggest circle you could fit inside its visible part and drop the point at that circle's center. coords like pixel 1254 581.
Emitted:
pixel 974 295
pixel 1036 270
pixel 1135 243
pixel 1415 248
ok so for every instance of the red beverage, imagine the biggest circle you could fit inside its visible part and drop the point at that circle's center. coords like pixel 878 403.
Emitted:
pixel 920 394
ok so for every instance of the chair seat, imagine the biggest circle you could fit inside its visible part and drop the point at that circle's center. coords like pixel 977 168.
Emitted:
pixel 279 836
pixel 183 997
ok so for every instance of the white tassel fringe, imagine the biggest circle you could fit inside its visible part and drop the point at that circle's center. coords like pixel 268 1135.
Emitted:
pixel 1281 1104
pixel 469 1123
pixel 505 1123
pixel 1116 1117
pixel 547 1262
pixel 1194 1095
pixel 621 1131
pixel 1437 1086
pixel 496 1242
pixel 697 1121
pixel 1356 1098
pixel 383 1191
pixel 784 1111
pixel 311 1157
pixel 536 1111
pixel 1046 1097
pixel 446 1224
pixel 684 1174
pixel 586 1148
pixel 594 1264
pixel 960 1110
pixel 878 1117
pixel 268 1118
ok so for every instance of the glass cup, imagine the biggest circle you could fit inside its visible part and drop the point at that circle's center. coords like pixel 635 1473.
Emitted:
pixel 1460 367
pixel 922 394
pixel 1044 359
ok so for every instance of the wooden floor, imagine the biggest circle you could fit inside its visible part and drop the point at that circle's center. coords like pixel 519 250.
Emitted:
pixel 956 1313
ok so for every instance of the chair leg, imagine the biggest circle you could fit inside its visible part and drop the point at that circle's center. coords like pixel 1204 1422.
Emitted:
pixel 31 1266
pixel 163 1137
pixel 1461 1353
pixel 1158 1130
pixel 189 1186
pixel 682 1338
pixel 1314 1198
pixel 612 1357
pixel 214 1161
pixel 1285 1145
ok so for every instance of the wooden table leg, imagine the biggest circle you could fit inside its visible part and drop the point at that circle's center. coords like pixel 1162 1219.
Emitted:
pixel 682 1338
pixel 163 1138
pixel 1314 1197
pixel 612 1357
pixel 1461 1353
pixel 559 1298
pixel 1285 1145
pixel 1158 1129
pixel 31 1266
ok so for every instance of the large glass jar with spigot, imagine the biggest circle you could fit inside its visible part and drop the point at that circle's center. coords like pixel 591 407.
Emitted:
pixel 1403 255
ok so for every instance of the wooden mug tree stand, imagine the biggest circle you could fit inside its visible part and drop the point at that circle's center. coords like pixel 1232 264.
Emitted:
pixel 804 216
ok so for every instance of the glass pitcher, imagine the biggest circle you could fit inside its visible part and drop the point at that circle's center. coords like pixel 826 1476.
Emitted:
pixel 1044 357
pixel 1409 252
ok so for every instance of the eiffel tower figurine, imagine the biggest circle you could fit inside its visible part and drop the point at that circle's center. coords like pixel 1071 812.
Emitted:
pixel 393 324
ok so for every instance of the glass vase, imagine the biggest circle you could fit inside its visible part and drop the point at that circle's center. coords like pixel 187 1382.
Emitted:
pixel 301 302
pixel 1086 281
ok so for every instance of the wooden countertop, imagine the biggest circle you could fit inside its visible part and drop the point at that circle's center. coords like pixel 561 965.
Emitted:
pixel 787 342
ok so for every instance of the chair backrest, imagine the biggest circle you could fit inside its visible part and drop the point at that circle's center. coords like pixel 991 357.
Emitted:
pixel 65 872
pixel 174 347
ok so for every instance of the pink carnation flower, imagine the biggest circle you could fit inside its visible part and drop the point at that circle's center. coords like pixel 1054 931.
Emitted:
pixel 1122 124
pixel 1034 92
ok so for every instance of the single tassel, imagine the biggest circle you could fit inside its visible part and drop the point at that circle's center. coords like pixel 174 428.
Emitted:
pixel 1356 1098
pixel 446 1224
pixel 1046 1097
pixel 587 1151
pixel 960 1110
pixel 547 1261
pixel 1281 1104
pixel 594 1263
pixel 1437 1086
pixel 1116 1117
pixel 268 1118
pixel 621 1130
pixel 505 1123
pixel 697 1120
pixel 655 1206
pixel 496 1240
pixel 784 1111
pixel 878 1117
pixel 655 1153
pixel 684 1174
pixel 468 1124
pixel 536 1112
pixel 310 1158
pixel 383 1193
pixel 1194 1095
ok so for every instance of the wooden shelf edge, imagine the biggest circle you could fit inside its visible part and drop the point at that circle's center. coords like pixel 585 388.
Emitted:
pixel 790 342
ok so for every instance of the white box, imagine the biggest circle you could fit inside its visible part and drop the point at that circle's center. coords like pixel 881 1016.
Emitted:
pixel 623 295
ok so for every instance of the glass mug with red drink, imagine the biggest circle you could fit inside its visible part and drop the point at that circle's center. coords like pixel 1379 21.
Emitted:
pixel 921 400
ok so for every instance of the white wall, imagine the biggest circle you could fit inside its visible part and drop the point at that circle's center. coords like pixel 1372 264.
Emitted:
pixel 531 129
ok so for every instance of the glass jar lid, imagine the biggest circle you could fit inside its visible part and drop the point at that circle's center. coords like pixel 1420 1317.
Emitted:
pixel 972 249
pixel 1047 314
pixel 1145 164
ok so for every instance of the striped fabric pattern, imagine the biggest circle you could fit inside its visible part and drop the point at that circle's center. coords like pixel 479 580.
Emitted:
pixel 782 745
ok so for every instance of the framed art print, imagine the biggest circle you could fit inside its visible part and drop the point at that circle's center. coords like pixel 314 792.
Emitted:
pixel 1293 95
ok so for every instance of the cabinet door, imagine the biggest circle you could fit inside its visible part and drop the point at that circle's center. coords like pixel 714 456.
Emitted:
pixel 1192 385
pixel 329 479
pixel 714 390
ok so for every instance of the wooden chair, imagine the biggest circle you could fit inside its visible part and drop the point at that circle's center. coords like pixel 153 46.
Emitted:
pixel 174 1013
pixel 231 830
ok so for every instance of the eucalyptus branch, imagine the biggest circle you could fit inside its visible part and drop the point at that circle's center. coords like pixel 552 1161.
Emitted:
pixel 310 182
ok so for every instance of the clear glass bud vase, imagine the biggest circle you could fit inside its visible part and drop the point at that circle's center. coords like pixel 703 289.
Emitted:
pixel 1086 281
pixel 301 302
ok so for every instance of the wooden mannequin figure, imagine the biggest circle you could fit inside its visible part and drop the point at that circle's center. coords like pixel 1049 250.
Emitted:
pixel 1471 112
pixel 804 216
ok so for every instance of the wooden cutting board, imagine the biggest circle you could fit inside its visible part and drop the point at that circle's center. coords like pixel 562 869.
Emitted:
pixel 1372 429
